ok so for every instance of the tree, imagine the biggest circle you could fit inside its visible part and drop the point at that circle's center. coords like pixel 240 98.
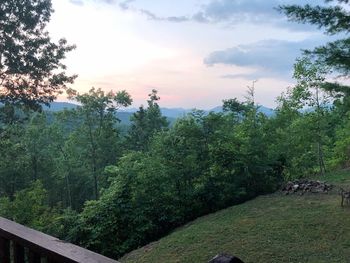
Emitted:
pixel 235 107
pixel 308 92
pixel 300 130
pixel 341 150
pixel 199 165
pixel 97 135
pixel 14 162
pixel 145 123
pixel 30 207
pixel 135 208
pixel 37 141
pixel 334 19
pixel 332 57
pixel 31 68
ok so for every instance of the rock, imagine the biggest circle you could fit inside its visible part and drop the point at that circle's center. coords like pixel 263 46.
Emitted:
pixel 225 258
pixel 304 185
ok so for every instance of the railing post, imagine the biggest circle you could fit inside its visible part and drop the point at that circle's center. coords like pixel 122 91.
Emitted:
pixel 50 260
pixel 4 250
pixel 18 253
pixel 34 257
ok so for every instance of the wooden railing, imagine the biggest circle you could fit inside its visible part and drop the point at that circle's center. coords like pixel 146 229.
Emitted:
pixel 20 244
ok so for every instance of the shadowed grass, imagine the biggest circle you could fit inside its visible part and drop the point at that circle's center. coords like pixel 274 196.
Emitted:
pixel 273 228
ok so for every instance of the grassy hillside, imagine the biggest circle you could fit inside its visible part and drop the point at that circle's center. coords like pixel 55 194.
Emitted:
pixel 273 228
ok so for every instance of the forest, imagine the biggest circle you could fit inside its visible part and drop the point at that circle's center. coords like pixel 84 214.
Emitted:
pixel 79 175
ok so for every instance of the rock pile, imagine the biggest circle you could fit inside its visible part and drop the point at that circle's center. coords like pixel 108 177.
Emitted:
pixel 303 185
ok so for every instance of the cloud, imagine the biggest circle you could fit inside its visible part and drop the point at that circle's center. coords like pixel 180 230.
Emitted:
pixel 234 12
pixel 226 12
pixel 125 5
pixel 77 2
pixel 82 2
pixel 231 12
pixel 269 58
pixel 247 76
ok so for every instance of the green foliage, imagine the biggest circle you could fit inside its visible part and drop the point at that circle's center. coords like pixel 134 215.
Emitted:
pixel 302 128
pixel 31 66
pixel 37 140
pixel 234 105
pixel 130 210
pixel 334 19
pixel 13 162
pixel 145 123
pixel 341 151
pixel 201 164
pixel 29 207
pixel 96 138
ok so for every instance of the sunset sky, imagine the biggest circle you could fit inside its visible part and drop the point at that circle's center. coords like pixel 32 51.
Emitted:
pixel 194 52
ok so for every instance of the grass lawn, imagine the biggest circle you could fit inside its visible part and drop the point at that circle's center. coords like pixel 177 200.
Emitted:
pixel 272 228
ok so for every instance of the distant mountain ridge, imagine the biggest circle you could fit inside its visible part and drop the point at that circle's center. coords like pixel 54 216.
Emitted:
pixel 171 113
pixel 267 111
pixel 58 106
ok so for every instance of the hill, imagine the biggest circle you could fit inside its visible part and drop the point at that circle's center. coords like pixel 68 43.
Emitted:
pixel 59 106
pixel 272 228
pixel 124 114
pixel 170 113
pixel 265 110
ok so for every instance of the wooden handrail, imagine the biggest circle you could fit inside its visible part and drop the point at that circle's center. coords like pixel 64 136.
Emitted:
pixel 24 244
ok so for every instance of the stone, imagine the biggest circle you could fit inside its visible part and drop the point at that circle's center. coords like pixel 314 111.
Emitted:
pixel 225 258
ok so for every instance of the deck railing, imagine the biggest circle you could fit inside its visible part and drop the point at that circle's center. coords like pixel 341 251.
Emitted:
pixel 20 244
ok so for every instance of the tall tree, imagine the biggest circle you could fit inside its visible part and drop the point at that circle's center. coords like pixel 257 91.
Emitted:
pixel 97 135
pixel 31 68
pixel 309 78
pixel 146 122
pixel 36 142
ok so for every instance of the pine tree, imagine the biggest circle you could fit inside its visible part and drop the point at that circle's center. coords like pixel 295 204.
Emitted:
pixel 334 56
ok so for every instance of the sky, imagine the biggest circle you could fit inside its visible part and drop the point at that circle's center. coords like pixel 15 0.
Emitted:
pixel 194 52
